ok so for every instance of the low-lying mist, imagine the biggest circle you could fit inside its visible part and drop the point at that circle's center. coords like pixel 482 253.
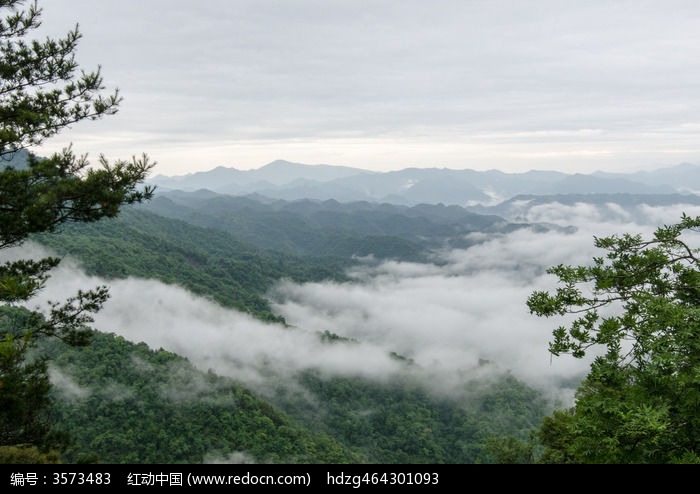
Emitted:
pixel 461 317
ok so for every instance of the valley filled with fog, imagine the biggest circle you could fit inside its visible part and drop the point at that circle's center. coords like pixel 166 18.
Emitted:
pixel 460 317
pixel 256 328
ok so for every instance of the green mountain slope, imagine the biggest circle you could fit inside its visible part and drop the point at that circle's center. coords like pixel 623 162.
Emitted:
pixel 205 261
pixel 401 421
pixel 328 228
pixel 125 403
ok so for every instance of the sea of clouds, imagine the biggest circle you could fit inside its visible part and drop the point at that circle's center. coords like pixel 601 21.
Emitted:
pixel 448 317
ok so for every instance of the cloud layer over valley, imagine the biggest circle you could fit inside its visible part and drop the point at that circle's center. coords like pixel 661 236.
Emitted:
pixel 448 317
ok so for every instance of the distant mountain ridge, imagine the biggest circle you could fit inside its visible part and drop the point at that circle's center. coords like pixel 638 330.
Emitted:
pixel 411 186
pixel 277 173
pixel 683 177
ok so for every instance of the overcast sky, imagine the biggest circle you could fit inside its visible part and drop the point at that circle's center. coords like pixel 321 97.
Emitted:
pixel 387 84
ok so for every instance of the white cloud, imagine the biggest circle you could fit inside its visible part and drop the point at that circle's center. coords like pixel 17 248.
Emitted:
pixel 212 337
pixel 235 458
pixel 472 307
pixel 66 385
pixel 448 318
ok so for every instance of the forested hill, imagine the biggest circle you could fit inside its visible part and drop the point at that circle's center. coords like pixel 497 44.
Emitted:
pixel 331 228
pixel 122 402
pixel 205 261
